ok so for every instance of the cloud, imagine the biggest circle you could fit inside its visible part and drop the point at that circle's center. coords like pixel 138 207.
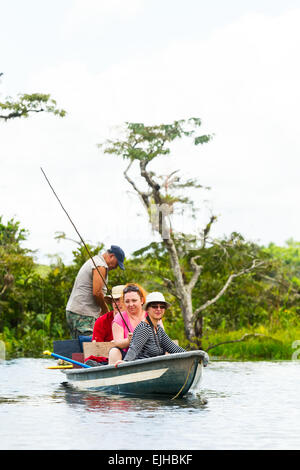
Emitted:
pixel 92 14
pixel 242 80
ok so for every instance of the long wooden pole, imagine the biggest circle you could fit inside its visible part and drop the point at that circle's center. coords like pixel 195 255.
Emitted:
pixel 88 251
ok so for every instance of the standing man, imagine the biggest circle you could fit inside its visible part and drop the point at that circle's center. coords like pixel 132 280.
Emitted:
pixel 87 301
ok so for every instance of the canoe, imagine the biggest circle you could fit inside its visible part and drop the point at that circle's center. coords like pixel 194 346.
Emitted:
pixel 169 375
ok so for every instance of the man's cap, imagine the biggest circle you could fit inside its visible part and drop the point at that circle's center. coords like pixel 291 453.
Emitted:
pixel 119 254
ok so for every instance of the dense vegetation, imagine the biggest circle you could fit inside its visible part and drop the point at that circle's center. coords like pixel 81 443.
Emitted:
pixel 231 297
pixel 258 317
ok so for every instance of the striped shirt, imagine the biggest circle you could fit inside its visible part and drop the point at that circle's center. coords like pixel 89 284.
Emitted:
pixel 146 343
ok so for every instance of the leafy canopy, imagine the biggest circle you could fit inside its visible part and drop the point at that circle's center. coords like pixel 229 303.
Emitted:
pixel 148 142
pixel 142 143
pixel 29 103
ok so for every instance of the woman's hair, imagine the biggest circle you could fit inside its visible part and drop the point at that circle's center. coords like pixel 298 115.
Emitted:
pixel 133 287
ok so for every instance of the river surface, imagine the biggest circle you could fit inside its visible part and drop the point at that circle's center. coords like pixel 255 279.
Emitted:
pixel 239 405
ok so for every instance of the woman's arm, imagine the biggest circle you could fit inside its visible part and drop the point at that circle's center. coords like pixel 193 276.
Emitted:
pixel 118 335
pixel 98 284
pixel 169 345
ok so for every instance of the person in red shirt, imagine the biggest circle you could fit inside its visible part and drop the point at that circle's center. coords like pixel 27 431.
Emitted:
pixel 102 331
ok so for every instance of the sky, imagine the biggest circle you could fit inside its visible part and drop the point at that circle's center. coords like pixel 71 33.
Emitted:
pixel 233 64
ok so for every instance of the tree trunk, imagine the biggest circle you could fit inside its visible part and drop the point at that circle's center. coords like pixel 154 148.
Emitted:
pixel 199 331
pixel 184 295
pixel 187 313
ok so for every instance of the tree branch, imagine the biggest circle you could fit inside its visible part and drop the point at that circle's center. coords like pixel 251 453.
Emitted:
pixel 153 185
pixel 3 290
pixel 16 114
pixel 62 236
pixel 8 282
pixel 243 338
pixel 197 268
pixel 168 283
pixel 143 196
pixel 207 229
pixel 254 265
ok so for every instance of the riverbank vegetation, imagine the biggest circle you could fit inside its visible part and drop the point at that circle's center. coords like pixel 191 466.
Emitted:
pixel 258 317
pixel 232 297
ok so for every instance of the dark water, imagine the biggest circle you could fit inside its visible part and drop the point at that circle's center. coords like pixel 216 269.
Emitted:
pixel 250 405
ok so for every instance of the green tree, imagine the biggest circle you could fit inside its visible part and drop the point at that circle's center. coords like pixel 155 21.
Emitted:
pixel 289 255
pixel 32 305
pixel 163 197
pixel 16 270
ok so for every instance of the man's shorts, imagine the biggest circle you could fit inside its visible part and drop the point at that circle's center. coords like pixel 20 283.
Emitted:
pixel 80 324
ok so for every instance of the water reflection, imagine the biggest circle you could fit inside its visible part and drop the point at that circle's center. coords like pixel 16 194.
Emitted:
pixel 9 400
pixel 255 406
pixel 93 402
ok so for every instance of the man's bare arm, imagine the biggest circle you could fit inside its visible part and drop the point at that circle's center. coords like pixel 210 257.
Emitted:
pixel 98 286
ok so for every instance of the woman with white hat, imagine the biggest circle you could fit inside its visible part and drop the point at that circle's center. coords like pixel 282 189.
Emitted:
pixel 149 339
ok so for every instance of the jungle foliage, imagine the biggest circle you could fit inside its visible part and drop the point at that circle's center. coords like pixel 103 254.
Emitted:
pixel 262 304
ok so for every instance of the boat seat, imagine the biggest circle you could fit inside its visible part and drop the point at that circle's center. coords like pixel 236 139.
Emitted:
pixel 67 347
pixel 97 348
pixel 82 339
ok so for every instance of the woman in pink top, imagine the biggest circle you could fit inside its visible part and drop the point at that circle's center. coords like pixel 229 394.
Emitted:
pixel 134 298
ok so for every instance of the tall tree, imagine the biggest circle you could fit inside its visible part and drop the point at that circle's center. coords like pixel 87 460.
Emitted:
pixel 164 196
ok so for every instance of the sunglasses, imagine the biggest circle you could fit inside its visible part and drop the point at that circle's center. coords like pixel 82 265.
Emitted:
pixel 131 289
pixel 156 306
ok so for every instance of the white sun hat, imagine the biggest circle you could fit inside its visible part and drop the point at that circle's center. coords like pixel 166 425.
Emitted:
pixel 155 297
pixel 116 291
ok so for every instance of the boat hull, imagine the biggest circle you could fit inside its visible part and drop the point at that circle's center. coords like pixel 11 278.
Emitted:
pixel 172 374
